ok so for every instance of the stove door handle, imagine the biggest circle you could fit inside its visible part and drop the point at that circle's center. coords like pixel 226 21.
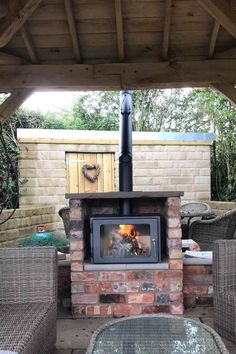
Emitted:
pixel 154 247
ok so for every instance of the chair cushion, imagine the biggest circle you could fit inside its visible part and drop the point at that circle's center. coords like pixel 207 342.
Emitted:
pixel 20 324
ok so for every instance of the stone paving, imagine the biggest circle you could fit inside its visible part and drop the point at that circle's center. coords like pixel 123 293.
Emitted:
pixel 73 335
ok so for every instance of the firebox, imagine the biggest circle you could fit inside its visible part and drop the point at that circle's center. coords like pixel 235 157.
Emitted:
pixel 125 239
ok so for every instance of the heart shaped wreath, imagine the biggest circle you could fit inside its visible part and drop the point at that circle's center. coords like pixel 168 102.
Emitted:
pixel 86 168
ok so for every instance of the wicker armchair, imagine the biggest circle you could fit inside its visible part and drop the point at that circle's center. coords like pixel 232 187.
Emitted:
pixel 224 288
pixel 65 215
pixel 206 232
pixel 28 299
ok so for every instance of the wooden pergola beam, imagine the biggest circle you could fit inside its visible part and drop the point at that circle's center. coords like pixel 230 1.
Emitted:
pixel 226 89
pixel 166 31
pixel 72 28
pixel 29 45
pixel 119 30
pixel 11 103
pixel 213 39
pixel 220 14
pixel 117 76
pixel 13 21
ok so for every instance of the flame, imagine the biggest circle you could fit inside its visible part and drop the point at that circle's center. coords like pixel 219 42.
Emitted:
pixel 126 229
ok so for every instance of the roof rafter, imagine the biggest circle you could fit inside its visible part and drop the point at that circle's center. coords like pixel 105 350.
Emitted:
pixel 13 21
pixel 213 39
pixel 72 28
pixel 29 45
pixel 227 89
pixel 11 103
pixel 119 30
pixel 220 13
pixel 166 31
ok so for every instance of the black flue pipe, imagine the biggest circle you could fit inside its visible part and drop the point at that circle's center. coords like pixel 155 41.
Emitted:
pixel 125 150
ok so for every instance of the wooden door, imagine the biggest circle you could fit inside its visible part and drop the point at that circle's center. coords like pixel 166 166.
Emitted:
pixel 78 183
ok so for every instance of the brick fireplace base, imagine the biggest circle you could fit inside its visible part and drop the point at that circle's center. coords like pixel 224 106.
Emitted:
pixel 122 290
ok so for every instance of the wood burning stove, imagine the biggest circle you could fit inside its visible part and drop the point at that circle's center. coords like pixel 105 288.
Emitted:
pixel 133 239
pixel 125 238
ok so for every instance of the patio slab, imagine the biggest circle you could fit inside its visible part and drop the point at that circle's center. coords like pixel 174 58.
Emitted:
pixel 73 335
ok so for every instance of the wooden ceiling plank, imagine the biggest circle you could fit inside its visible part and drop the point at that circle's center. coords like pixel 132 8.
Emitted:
pixel 228 53
pixel 220 14
pixel 72 28
pixel 11 103
pixel 9 59
pixel 166 31
pixel 119 30
pixel 13 22
pixel 117 75
pixel 213 39
pixel 29 45
pixel 226 89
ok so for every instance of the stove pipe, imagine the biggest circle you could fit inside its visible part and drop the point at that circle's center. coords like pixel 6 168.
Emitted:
pixel 125 150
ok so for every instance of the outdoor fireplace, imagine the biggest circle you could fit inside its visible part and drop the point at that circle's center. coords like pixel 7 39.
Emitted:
pixel 125 239
pixel 126 256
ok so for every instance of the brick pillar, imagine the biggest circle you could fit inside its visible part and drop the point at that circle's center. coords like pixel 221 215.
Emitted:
pixel 174 242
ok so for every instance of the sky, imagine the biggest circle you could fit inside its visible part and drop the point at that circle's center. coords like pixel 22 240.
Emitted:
pixel 50 101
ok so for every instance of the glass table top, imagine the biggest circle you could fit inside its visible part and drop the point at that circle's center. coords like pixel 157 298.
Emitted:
pixel 157 334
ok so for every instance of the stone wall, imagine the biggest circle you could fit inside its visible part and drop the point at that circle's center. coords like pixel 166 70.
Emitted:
pixel 23 223
pixel 158 165
pixel 221 207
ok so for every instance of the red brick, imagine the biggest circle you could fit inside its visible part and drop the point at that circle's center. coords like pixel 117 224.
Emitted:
pixel 173 211
pixel 176 286
pixel 199 279
pixel 126 310
pixel 176 309
pixel 173 201
pixel 164 275
pixel 174 242
pixel 139 275
pixel 111 276
pixel 77 266
pixel 174 233
pixel 91 288
pixel 76 214
pixel 84 276
pixel 156 309
pixel 146 298
pixel 84 298
pixel 173 222
pixel 175 253
pixel 98 310
pixel 76 256
pixel 76 245
pixel 197 269
pixel 176 264
pixel 176 296
pixel 130 287
pixel 105 287
pixel 195 289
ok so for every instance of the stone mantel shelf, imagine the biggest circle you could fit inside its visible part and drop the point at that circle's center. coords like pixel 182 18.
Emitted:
pixel 124 195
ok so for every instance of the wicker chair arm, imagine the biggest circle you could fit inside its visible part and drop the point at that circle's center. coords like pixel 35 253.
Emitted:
pixel 28 274
pixel 224 265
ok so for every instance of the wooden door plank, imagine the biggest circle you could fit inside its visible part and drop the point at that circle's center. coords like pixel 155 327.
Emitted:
pixel 101 175
pixel 90 186
pixel 81 162
pixel 73 172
